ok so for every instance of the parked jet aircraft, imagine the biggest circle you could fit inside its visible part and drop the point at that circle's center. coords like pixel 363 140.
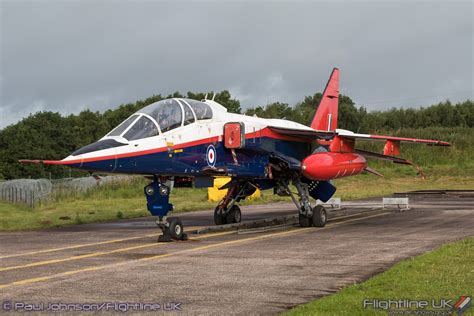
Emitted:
pixel 200 139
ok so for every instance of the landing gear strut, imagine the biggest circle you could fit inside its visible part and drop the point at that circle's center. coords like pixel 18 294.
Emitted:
pixel 157 195
pixel 308 215
pixel 228 212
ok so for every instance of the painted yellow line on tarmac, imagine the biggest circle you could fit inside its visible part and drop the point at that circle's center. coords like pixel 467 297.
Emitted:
pixel 99 253
pixel 216 245
pixel 88 245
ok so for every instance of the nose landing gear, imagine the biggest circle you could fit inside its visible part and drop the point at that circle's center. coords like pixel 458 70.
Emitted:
pixel 157 195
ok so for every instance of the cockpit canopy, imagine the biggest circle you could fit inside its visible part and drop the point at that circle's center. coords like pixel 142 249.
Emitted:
pixel 162 116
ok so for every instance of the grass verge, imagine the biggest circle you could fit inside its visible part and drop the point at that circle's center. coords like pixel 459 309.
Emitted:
pixel 445 273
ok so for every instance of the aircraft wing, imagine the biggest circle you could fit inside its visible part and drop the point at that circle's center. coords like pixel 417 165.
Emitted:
pixel 349 134
pixel 327 135
pixel 369 154
pixel 309 135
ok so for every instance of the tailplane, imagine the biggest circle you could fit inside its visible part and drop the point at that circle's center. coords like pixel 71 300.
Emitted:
pixel 325 118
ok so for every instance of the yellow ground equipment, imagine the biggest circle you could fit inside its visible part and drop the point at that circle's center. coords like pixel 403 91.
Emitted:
pixel 215 195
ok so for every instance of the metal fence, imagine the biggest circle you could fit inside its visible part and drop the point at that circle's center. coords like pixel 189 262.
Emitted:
pixel 18 195
pixel 34 192
pixel 27 191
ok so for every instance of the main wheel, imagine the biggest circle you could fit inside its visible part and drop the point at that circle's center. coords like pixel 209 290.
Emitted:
pixel 234 215
pixel 176 229
pixel 319 216
pixel 219 218
pixel 304 221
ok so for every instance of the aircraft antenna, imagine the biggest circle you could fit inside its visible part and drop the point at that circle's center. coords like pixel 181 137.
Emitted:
pixel 213 96
pixel 205 97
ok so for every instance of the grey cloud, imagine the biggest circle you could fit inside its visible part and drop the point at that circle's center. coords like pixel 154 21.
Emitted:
pixel 67 56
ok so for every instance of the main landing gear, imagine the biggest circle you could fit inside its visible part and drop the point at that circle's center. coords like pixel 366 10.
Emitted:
pixel 308 216
pixel 228 212
pixel 157 195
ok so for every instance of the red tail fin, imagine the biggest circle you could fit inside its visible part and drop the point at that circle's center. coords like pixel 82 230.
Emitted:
pixel 325 118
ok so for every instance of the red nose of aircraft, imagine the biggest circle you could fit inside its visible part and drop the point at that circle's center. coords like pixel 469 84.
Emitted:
pixel 327 166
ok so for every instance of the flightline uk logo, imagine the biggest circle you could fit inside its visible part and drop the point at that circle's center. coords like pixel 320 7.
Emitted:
pixel 420 307
pixel 462 304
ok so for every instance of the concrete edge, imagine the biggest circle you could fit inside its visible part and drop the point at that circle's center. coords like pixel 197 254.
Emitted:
pixel 276 222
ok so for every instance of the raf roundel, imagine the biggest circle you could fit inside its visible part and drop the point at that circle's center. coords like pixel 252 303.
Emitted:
pixel 211 155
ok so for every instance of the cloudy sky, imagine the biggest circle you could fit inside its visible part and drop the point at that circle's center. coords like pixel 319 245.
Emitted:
pixel 68 56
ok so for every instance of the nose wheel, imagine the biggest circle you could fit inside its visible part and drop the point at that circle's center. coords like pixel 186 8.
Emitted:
pixel 157 195
pixel 176 229
pixel 173 229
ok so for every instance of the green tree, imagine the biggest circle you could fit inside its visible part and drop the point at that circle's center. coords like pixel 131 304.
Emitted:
pixel 49 135
pixel 272 110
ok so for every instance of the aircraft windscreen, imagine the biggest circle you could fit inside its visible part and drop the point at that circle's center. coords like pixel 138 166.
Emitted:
pixel 167 113
pixel 123 126
pixel 100 145
pixel 143 128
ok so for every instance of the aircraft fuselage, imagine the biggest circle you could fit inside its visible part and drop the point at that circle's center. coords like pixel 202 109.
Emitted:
pixel 189 149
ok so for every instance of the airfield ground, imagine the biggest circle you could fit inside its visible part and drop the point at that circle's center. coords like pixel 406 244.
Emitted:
pixel 266 272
